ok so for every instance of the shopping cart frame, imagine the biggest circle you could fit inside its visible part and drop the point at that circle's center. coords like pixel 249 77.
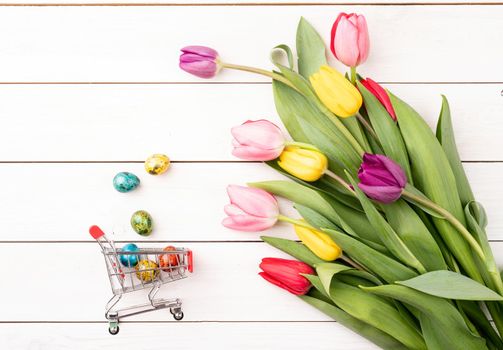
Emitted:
pixel 122 280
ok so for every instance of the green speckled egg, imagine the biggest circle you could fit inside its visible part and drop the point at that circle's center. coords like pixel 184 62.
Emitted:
pixel 141 222
pixel 157 164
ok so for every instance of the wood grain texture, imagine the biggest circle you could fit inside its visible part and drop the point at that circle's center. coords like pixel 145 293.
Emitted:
pixel 128 44
pixel 68 282
pixel 193 122
pixel 183 336
pixel 60 201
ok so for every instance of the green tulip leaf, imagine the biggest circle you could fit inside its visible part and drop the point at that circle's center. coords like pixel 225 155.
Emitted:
pixel 310 49
pixel 377 263
pixel 434 177
pixel 376 311
pixel 445 135
pixel 415 235
pixel 451 285
pixel 476 315
pixel 365 330
pixel 293 248
pixel 286 49
pixel 439 318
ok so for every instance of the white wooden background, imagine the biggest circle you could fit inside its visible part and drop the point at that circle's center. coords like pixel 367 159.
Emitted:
pixel 87 91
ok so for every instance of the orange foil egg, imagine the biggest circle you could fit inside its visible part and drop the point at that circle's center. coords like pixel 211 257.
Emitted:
pixel 169 261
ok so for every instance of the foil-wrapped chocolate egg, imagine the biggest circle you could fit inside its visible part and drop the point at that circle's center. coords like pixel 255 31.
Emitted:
pixel 157 164
pixel 141 222
pixel 146 270
pixel 129 260
pixel 125 182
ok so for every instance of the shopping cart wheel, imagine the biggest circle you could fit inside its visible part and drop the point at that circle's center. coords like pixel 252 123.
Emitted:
pixel 113 328
pixel 178 316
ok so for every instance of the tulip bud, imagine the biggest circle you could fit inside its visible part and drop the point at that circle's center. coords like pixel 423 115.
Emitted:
pixel 257 140
pixel 336 92
pixel 349 40
pixel 200 61
pixel 305 164
pixel 319 243
pixel 381 94
pixel 286 274
pixel 381 178
pixel 251 209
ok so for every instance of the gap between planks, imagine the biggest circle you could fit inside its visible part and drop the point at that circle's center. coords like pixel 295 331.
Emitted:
pixel 251 4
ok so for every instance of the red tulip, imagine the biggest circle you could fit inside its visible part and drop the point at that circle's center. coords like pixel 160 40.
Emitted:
pixel 381 94
pixel 286 274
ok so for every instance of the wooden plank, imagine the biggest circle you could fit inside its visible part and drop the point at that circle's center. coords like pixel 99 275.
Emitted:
pixel 138 44
pixel 58 202
pixel 128 122
pixel 243 336
pixel 68 282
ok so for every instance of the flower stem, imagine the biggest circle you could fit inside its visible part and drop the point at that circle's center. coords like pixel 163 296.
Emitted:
pixel 352 262
pixel 353 75
pixel 302 145
pixel 294 221
pixel 274 76
pixel 340 180
pixel 450 218
pixel 367 126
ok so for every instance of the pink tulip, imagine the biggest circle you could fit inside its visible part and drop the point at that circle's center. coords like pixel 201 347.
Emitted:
pixel 286 274
pixel 350 39
pixel 381 94
pixel 251 209
pixel 257 140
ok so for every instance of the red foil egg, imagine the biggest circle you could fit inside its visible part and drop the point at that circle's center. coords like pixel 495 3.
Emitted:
pixel 169 261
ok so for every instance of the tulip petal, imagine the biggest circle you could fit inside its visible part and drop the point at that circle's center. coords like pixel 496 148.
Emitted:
pixel 233 210
pixel 202 69
pixel 260 133
pixel 256 154
pixel 395 170
pixel 254 201
pixel 383 194
pixel 271 280
pixel 201 50
pixel 363 39
pixel 248 223
pixel 381 94
pixel 346 43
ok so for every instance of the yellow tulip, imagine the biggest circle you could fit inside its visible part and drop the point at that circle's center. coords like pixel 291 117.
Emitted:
pixel 305 164
pixel 319 243
pixel 336 92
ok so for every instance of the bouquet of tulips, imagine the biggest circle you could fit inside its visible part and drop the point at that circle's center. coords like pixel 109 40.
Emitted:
pixel 392 243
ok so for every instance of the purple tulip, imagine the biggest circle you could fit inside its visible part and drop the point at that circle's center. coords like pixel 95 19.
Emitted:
pixel 381 178
pixel 200 61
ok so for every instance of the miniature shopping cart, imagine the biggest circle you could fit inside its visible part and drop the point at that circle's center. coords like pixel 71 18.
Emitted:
pixel 154 267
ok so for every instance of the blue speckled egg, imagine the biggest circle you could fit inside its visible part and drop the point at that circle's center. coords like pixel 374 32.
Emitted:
pixel 125 182
pixel 129 260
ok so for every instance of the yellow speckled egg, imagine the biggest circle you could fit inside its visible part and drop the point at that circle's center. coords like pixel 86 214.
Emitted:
pixel 157 164
pixel 146 270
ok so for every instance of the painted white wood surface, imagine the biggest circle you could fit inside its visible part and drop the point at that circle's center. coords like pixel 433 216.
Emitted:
pixel 139 44
pixel 128 122
pixel 45 209
pixel 59 202
pixel 183 336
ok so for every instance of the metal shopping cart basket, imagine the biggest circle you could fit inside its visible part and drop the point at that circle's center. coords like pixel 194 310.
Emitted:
pixel 153 268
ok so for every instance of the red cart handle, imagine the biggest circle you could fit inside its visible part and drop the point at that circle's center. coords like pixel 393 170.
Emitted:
pixel 96 232
pixel 190 261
